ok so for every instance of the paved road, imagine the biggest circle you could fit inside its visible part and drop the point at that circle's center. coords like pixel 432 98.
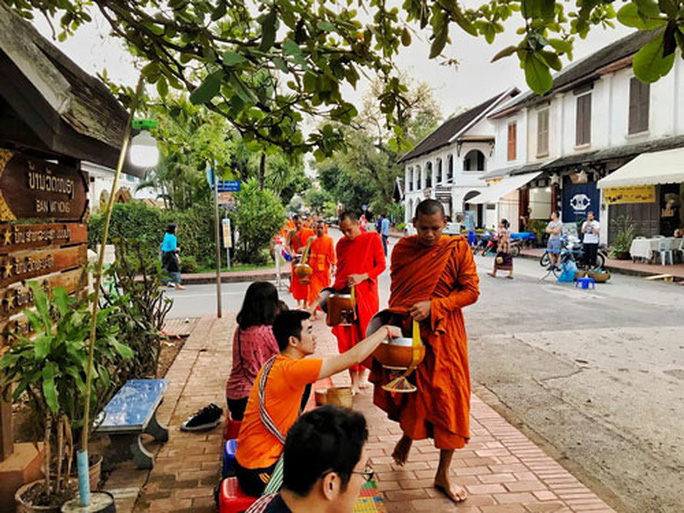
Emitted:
pixel 595 376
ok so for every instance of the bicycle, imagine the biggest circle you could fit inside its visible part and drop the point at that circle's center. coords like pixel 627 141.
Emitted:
pixel 573 250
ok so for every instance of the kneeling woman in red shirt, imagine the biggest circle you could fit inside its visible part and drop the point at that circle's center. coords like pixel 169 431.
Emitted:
pixel 253 343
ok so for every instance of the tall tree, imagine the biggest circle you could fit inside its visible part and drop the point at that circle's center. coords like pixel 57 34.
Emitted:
pixel 265 64
pixel 372 152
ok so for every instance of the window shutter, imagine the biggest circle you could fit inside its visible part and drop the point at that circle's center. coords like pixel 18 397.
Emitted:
pixel 543 132
pixel 639 103
pixel 583 121
pixel 512 135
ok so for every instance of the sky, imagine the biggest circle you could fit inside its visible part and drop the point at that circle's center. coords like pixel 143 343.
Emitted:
pixel 473 81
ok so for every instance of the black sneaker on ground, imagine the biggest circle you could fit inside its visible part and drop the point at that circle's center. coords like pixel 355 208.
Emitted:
pixel 207 418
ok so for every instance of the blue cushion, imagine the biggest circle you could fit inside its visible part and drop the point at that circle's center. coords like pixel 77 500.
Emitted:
pixel 229 450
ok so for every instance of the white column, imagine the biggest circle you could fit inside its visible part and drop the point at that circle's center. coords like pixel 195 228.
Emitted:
pixel 407 181
pixel 434 176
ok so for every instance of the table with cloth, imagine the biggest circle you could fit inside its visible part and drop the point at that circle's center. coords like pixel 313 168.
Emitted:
pixel 644 248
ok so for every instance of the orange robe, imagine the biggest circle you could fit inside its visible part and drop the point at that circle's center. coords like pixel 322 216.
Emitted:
pixel 364 254
pixel 446 275
pixel 299 290
pixel 321 259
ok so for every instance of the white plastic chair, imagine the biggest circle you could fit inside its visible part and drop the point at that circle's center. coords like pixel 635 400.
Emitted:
pixel 665 249
pixel 679 249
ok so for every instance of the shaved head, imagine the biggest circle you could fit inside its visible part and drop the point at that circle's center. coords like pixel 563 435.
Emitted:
pixel 429 207
pixel 348 214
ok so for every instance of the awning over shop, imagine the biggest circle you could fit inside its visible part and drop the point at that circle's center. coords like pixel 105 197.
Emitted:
pixel 493 193
pixel 655 168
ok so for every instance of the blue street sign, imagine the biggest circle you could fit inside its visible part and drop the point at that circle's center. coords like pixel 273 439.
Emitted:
pixel 228 185
pixel 210 176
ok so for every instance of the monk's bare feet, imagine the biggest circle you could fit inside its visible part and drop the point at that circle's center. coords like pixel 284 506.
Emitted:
pixel 401 450
pixel 455 492
pixel 363 379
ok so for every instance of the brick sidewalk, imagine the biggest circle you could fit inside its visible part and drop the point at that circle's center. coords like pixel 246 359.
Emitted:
pixel 502 470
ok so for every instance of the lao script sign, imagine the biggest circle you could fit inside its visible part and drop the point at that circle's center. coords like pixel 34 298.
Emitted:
pixel 32 188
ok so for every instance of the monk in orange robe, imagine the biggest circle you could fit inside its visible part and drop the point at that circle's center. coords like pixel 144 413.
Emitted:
pixel 360 260
pixel 322 260
pixel 289 226
pixel 433 278
pixel 296 243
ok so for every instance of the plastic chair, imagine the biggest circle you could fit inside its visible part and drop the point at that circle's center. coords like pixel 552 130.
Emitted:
pixel 679 249
pixel 665 251
pixel 232 429
pixel 232 499
pixel 229 450
pixel 585 281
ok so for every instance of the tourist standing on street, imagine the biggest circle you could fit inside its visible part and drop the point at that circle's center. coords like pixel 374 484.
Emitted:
pixel 322 261
pixel 295 245
pixel 503 260
pixel 170 258
pixel 553 246
pixel 384 232
pixel 591 229
pixel 360 260
pixel 433 278
pixel 253 343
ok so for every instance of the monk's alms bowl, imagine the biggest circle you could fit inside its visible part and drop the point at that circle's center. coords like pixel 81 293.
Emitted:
pixel 398 353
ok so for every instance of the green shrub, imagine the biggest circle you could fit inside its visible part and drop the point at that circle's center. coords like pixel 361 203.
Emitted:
pixel 538 227
pixel 189 264
pixel 626 232
pixel 400 226
pixel 258 217
pixel 146 224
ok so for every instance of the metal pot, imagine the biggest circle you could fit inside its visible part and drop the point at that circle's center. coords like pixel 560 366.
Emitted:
pixel 339 307
pixel 398 353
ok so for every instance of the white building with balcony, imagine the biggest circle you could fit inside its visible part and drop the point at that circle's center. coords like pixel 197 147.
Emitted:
pixel 552 150
pixel 449 163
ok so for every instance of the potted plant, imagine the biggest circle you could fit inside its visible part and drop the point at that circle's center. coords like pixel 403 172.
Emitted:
pixel 49 369
pixel 626 232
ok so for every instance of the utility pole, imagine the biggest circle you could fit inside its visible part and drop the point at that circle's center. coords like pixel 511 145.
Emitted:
pixel 218 249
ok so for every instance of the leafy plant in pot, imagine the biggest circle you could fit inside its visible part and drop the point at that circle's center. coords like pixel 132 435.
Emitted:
pixel 50 369
pixel 626 232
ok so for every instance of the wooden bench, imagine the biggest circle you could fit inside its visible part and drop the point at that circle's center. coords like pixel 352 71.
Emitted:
pixel 665 277
pixel 132 412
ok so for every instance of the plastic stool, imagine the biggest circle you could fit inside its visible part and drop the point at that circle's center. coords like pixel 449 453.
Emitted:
pixel 232 429
pixel 232 499
pixel 229 450
pixel 585 281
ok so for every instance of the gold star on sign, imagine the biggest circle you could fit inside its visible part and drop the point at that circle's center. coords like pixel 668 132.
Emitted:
pixel 8 237
pixel 8 269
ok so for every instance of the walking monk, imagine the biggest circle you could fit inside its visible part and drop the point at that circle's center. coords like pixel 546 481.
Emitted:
pixel 360 260
pixel 295 244
pixel 322 261
pixel 433 279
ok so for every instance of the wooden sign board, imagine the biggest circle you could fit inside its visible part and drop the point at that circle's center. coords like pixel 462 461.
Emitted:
pixel 32 188
pixel 18 297
pixel 25 265
pixel 54 252
pixel 34 236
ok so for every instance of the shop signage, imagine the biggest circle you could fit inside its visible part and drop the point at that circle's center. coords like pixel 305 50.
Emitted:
pixel 634 194
pixel 32 188
pixel 578 200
